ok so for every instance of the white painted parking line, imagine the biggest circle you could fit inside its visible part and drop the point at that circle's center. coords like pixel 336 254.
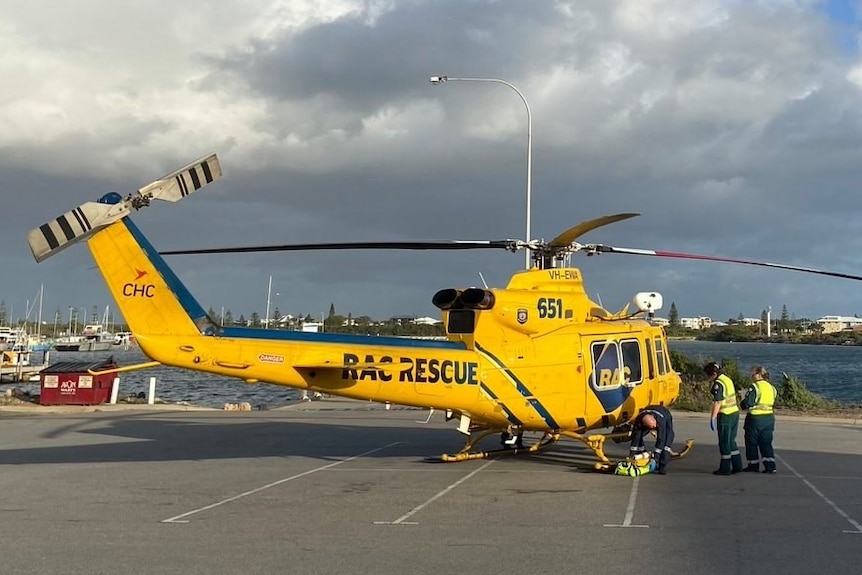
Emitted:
pixel 181 518
pixel 831 504
pixel 401 520
pixel 630 510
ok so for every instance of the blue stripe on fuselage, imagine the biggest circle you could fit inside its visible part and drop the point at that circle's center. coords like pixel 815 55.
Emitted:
pixel 509 415
pixel 341 338
pixel 522 389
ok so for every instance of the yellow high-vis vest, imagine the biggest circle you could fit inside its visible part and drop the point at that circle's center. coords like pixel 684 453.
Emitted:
pixel 765 398
pixel 728 402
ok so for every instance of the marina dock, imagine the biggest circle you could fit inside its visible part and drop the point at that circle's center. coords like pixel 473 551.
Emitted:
pixel 14 368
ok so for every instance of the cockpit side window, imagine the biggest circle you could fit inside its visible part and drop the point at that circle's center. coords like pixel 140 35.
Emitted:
pixel 650 364
pixel 660 357
pixel 632 367
pixel 606 363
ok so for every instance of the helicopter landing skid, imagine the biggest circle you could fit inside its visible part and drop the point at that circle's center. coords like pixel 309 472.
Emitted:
pixel 596 442
pixel 466 454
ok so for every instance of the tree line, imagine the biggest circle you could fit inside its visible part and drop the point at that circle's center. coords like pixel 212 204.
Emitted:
pixel 333 323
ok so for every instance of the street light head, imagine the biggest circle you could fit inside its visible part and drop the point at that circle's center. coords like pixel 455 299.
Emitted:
pixel 437 79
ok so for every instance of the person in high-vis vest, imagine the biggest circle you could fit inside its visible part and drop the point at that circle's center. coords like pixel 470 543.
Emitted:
pixel 724 419
pixel 759 422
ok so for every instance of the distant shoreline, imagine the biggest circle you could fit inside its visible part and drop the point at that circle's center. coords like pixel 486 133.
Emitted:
pixel 833 343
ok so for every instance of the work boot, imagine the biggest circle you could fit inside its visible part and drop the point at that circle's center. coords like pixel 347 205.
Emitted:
pixel 752 468
pixel 721 472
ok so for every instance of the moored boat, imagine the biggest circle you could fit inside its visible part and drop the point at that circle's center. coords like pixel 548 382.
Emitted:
pixel 7 337
pixel 124 339
pixel 95 338
pixel 68 343
pixel 39 343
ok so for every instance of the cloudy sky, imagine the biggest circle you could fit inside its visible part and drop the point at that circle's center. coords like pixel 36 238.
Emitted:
pixel 733 127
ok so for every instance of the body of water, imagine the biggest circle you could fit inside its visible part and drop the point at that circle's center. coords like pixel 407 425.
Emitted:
pixel 834 372
pixel 177 385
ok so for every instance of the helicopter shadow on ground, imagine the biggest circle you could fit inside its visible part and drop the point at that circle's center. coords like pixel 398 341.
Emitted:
pixel 178 440
pixel 145 438
pixel 156 439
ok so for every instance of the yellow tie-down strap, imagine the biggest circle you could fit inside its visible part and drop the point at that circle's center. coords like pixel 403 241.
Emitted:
pixel 125 368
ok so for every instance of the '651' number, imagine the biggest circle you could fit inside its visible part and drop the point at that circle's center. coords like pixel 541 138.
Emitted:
pixel 550 308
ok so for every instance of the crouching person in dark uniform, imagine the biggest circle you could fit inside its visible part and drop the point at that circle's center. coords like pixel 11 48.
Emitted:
pixel 760 422
pixel 654 418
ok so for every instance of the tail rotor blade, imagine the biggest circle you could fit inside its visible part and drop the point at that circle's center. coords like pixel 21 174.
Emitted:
pixel 72 227
pixel 187 180
pixel 85 220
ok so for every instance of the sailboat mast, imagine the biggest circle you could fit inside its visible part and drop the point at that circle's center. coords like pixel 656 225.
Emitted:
pixel 39 317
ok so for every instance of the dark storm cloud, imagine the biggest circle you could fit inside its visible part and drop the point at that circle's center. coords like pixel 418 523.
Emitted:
pixel 364 62
pixel 733 127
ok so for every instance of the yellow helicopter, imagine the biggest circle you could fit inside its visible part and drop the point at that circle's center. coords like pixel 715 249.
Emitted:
pixel 536 356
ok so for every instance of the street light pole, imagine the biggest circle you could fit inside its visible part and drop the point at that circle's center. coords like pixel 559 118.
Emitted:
pixel 268 300
pixel 769 322
pixel 442 79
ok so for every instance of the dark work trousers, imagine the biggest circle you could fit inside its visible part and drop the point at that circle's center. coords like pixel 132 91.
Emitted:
pixel 731 460
pixel 662 459
pixel 758 440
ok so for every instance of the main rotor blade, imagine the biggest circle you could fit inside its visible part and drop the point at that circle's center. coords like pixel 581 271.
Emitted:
pixel 573 233
pixel 511 245
pixel 638 252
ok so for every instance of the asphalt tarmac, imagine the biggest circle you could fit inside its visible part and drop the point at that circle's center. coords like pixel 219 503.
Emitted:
pixel 341 487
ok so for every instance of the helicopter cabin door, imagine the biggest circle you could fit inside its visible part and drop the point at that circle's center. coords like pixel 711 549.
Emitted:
pixel 614 363
pixel 663 380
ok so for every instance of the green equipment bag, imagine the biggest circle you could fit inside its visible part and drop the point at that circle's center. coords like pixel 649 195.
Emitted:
pixel 633 469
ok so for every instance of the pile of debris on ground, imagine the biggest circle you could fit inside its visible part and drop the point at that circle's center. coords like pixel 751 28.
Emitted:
pixel 244 406
pixel 17 396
